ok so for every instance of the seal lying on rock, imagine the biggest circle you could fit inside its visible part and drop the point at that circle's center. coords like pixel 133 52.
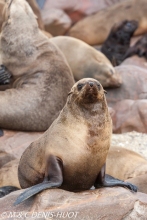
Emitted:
pixel 95 28
pixel 129 162
pixel 85 61
pixel 72 153
pixel 118 41
pixel 41 75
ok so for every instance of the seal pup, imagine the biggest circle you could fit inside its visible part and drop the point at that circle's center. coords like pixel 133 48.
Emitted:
pixel 41 75
pixel 118 41
pixel 72 153
pixel 85 61
pixel 95 28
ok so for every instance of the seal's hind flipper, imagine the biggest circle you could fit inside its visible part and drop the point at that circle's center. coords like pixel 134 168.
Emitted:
pixel 1 133
pixel 34 190
pixel 53 179
pixel 5 75
pixel 105 180
pixel 5 190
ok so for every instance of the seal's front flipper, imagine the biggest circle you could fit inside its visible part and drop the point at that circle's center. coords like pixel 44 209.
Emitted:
pixel 5 75
pixel 105 180
pixel 140 48
pixel 5 190
pixel 1 133
pixel 53 179
pixel 130 52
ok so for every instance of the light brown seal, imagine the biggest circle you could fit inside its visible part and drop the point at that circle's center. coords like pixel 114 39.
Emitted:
pixel 41 75
pixel 140 182
pixel 85 61
pixel 94 29
pixel 37 12
pixel 8 174
pixel 130 163
pixel 71 154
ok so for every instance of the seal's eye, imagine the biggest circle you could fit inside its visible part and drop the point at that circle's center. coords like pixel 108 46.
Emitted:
pixel 128 25
pixel 98 85
pixel 79 86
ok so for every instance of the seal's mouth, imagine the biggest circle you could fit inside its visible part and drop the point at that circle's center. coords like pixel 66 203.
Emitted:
pixel 89 91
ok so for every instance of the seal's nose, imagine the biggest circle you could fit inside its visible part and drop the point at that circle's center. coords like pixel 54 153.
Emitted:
pixel 91 84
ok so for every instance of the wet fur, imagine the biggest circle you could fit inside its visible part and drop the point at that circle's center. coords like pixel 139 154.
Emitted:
pixel 118 41
pixel 140 48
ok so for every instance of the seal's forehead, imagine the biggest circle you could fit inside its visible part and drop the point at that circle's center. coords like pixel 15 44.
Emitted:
pixel 85 80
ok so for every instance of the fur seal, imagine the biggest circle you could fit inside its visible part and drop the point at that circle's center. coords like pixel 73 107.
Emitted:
pixel 5 158
pixel 37 12
pixel 139 48
pixel 118 41
pixel 129 162
pixel 85 61
pixel 72 153
pixel 140 182
pixel 6 190
pixel 41 75
pixel 94 29
pixel 8 174
pixel 5 75
pixel 34 7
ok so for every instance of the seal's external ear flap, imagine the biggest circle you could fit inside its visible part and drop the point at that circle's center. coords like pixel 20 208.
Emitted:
pixel 70 93
pixel 10 4
pixel 6 12
pixel 105 91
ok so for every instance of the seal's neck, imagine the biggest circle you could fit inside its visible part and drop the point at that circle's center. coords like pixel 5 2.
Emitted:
pixel 89 111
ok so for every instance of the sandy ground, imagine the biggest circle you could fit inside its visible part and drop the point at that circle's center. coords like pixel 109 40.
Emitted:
pixel 133 141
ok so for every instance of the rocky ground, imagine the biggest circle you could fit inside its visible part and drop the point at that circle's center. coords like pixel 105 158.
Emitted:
pixel 133 141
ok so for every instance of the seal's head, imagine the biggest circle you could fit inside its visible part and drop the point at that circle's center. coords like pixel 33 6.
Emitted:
pixel 87 91
pixel 20 11
pixel 124 30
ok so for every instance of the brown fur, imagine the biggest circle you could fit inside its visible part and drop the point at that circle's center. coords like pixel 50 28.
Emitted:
pixel 41 75
pixel 140 48
pixel 118 41
pixel 36 11
pixel 5 158
pixel 33 5
pixel 8 174
pixel 124 164
pixel 85 61
pixel 94 29
pixel 80 137
pixel 140 182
